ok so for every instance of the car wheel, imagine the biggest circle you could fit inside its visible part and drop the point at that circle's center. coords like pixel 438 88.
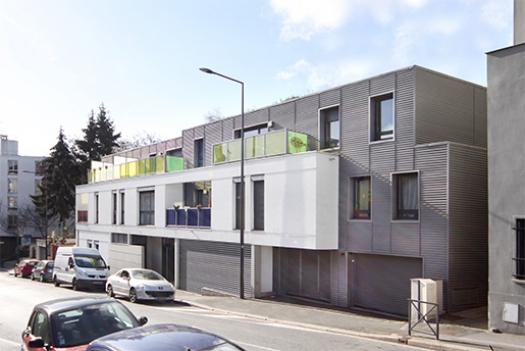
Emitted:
pixel 15 274
pixel 132 295
pixel 55 281
pixel 42 278
pixel 74 285
pixel 32 276
pixel 110 291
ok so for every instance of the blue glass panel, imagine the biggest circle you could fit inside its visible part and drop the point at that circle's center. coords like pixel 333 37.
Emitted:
pixel 181 217
pixel 205 217
pixel 193 217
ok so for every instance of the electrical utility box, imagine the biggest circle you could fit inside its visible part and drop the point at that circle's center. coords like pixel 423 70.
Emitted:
pixel 426 290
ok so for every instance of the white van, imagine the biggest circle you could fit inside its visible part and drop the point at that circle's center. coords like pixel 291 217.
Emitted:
pixel 81 267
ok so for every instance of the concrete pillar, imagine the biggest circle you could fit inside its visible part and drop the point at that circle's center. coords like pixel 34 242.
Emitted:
pixel 519 22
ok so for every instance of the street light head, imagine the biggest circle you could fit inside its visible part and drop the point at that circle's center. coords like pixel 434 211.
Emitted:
pixel 206 70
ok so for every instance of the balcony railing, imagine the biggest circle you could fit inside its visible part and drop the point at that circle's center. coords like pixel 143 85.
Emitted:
pixel 271 144
pixel 189 217
pixel 275 143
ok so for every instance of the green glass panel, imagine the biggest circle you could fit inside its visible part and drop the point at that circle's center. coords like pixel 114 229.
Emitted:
pixel 133 168
pixel 276 143
pixel 255 146
pixel 141 167
pixel 234 150
pixel 297 142
pixel 159 164
pixel 174 163
pixel 219 155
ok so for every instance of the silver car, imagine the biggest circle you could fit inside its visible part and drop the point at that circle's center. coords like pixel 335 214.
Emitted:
pixel 140 284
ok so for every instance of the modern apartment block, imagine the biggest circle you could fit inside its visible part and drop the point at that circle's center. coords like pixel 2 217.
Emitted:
pixel 349 194
pixel 506 159
pixel 19 180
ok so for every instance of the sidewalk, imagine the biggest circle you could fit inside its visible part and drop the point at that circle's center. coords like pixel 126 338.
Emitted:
pixel 463 331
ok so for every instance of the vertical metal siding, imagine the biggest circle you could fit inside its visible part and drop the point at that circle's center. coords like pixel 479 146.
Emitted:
pixel 214 265
pixel 338 286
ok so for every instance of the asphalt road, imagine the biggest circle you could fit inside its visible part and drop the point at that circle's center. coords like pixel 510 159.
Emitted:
pixel 18 296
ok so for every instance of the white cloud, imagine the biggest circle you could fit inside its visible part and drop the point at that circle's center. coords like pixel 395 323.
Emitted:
pixel 497 13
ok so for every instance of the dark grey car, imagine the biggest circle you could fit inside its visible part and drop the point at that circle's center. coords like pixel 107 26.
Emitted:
pixel 43 271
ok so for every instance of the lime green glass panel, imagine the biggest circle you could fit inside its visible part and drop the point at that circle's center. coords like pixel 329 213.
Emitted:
pixel 124 170
pixel 133 168
pixel 159 164
pixel 255 146
pixel 276 143
pixel 297 142
pixel 174 163
pixel 219 152
pixel 234 150
pixel 141 167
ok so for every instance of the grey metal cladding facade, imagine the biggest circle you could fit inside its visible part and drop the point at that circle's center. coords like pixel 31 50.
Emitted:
pixel 468 228
pixel 446 109
pixel 339 286
pixel 329 98
pixel 283 115
pixel 256 117
pixel 188 136
pixel 480 121
pixel 306 110
pixel 213 135
pixel 404 128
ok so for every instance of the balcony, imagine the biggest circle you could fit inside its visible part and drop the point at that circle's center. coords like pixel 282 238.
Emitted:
pixel 199 217
pixel 272 144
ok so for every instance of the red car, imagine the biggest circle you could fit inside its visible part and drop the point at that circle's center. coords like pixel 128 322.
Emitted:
pixel 25 267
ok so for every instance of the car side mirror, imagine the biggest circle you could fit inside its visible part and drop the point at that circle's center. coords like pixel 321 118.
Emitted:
pixel 36 343
pixel 71 265
pixel 143 320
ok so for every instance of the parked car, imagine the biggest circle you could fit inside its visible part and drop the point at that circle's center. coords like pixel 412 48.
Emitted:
pixel 71 324
pixel 82 267
pixel 25 267
pixel 163 337
pixel 43 271
pixel 140 284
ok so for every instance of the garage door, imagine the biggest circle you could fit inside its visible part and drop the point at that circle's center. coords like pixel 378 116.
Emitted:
pixel 382 282
pixel 214 265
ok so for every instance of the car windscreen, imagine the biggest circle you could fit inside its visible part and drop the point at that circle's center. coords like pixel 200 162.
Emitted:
pixel 90 262
pixel 146 275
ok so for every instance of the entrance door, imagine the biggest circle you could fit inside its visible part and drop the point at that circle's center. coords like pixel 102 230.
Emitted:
pixel 168 259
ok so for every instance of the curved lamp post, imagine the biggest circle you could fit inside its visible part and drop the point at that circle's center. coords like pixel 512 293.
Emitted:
pixel 209 71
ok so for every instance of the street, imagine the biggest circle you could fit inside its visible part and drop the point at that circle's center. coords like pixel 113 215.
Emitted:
pixel 18 296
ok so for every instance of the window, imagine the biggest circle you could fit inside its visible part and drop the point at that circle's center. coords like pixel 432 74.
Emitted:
pixel 114 208
pixel 82 215
pixel 97 245
pixel 122 208
pixel 238 205
pixel 406 196
pixel 382 117
pixel 252 131
pixel 361 195
pixel 38 184
pixel 12 185
pixel 174 152
pixel 258 205
pixel 199 153
pixel 12 222
pixel 12 167
pixel 147 208
pixel 90 243
pixel 519 259
pixel 329 127
pixel 119 238
pixel 40 327
pixel 96 208
pixel 12 202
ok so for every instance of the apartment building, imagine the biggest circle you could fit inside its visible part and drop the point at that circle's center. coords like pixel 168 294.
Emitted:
pixel 506 128
pixel 349 194
pixel 20 179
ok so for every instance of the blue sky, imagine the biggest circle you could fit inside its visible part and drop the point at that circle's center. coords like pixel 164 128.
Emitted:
pixel 60 59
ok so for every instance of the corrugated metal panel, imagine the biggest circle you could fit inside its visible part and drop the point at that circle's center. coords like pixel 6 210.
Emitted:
pixel 213 134
pixel 480 122
pixel 383 84
pixel 445 109
pixel 256 117
pixel 214 265
pixel 329 98
pixel 382 283
pixel 283 115
pixel 227 129
pixel 468 233
pixel 307 115
pixel 404 118
pixel 187 146
pixel 339 273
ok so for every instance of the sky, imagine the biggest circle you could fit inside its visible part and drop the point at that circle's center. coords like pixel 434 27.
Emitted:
pixel 60 59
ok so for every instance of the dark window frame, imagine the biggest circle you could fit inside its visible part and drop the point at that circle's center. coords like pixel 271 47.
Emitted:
pixel 406 201
pixel 377 116
pixel 357 189
pixel 519 250
pixel 147 207
pixel 258 204
pixel 329 117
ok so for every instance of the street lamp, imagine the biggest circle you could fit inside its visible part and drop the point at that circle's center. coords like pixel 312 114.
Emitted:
pixel 209 71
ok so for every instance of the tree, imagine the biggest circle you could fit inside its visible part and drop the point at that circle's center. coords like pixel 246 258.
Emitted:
pixel 99 140
pixel 61 173
pixel 213 115
pixel 140 139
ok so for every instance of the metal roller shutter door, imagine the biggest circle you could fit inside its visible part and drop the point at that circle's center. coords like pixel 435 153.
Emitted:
pixel 214 265
pixel 382 283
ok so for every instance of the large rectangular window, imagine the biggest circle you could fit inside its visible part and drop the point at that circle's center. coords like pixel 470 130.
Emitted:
pixel 258 205
pixel 382 117
pixel 12 185
pixel 147 208
pixel 12 167
pixel 361 195
pixel 519 259
pixel 406 196
pixel 329 127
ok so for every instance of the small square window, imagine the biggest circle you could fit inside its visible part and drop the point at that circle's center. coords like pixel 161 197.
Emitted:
pixel 382 117
pixel 361 197
pixel 406 195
